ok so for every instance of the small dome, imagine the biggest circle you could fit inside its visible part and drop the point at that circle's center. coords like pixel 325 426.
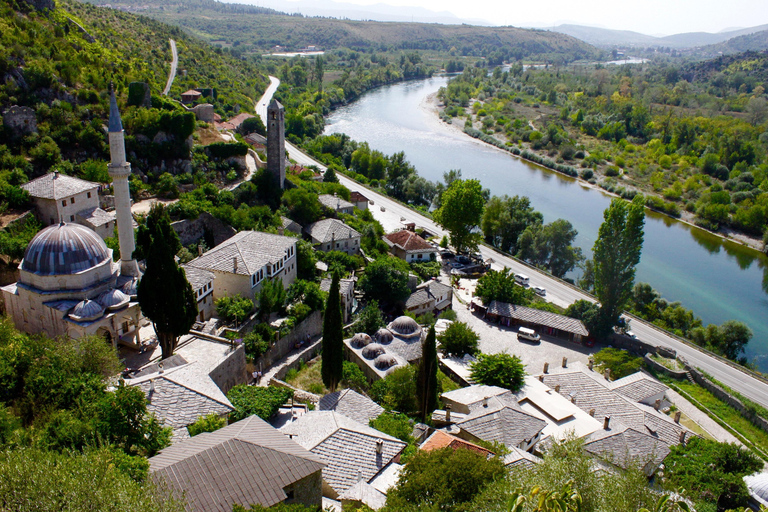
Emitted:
pixel 64 249
pixel 360 340
pixel 384 336
pixel 86 311
pixel 405 326
pixel 131 287
pixel 757 485
pixel 384 361
pixel 372 350
pixel 113 299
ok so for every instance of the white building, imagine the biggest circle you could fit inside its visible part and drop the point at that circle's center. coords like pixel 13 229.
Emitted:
pixel 334 235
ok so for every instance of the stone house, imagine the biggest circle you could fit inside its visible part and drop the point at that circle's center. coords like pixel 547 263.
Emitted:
pixel 347 292
pixel 430 296
pixel 190 96
pixel 336 203
pixel 202 283
pixel 333 235
pixel 242 263
pixel 359 200
pixel 410 247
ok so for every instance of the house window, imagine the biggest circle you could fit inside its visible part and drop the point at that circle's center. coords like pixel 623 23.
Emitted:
pixel 64 203
pixel 71 218
pixel 420 255
pixel 72 200
pixel 89 195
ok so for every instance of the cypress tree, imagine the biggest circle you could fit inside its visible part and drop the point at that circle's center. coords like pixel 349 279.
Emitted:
pixel 426 376
pixel 333 338
pixel 165 296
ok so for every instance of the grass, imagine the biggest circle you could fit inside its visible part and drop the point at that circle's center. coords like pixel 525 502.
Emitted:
pixel 307 378
pixel 672 364
pixel 752 436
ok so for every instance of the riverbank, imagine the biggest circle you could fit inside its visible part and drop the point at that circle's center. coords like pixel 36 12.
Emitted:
pixel 433 104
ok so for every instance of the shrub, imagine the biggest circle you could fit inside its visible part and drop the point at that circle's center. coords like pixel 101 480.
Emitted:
pixel 234 308
pixel 458 339
pixel 502 370
pixel 210 423
pixel 353 377
pixel 255 344
pixel 620 362
pixel 261 401
pixel 396 391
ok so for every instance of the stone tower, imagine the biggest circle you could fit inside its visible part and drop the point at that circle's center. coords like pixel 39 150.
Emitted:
pixel 119 170
pixel 276 142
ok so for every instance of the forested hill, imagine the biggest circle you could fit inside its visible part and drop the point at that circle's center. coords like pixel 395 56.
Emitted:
pixel 747 65
pixel 259 32
pixel 59 63
pixel 756 42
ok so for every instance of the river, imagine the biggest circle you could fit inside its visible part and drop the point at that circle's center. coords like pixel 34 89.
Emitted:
pixel 718 280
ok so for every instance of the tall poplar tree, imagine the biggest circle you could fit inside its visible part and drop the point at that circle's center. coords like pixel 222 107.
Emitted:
pixel 616 254
pixel 164 294
pixel 426 376
pixel 333 338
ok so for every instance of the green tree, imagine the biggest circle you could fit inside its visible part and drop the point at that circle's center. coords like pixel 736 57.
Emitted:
pixel 370 319
pixel 386 280
pixel 271 298
pixel 616 254
pixel 731 339
pixel 586 311
pixel 209 423
pixel 303 205
pixel 164 294
pixel 461 213
pixel 444 479
pixel 426 376
pixel 397 391
pixel 620 362
pixel 505 219
pixel 502 370
pixel 500 285
pixel 306 259
pixel 235 308
pixel 264 402
pixel 550 247
pixel 332 368
pixel 353 377
pixel 458 339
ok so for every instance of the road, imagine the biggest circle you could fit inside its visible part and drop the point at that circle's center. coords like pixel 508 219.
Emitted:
pixel 263 103
pixel 174 64
pixel 558 292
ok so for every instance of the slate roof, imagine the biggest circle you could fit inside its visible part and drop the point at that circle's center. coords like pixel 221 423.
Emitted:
pixel 290 225
pixel 440 439
pixel 472 396
pixel 252 250
pixel 365 493
pixel 408 241
pixel 506 424
pixel 538 317
pixel 246 462
pixel 622 445
pixel 344 286
pixel 197 277
pixel 425 292
pixel 55 185
pixel 181 395
pixel 323 231
pixel 520 458
pixel 335 203
pixel 345 445
pixel 638 386
pixel 96 216
pixel 351 404
pixel 408 349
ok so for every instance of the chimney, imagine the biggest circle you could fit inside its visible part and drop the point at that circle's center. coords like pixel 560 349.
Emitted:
pixel 677 417
pixel 546 367
pixel 657 404
pixel 55 174
pixel 557 388
pixel 485 402
pixel 606 422
pixel 541 378
pixel 200 250
pixel 590 364
pixel 281 231
pixel 379 446
pixel 448 413
pixel 573 399
pixel 607 374
pixel 160 369
pixel 565 362
pixel 234 263
pixel 682 436
pixel 592 412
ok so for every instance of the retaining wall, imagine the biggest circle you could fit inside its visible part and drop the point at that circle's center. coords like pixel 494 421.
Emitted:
pixel 312 326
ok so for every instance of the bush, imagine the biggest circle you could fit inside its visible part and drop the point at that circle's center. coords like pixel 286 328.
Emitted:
pixel 234 308
pixel 458 339
pixel 502 370
pixel 210 423
pixel 223 150
pixel 620 362
pixel 255 344
pixel 353 377
pixel 250 400
pixel 396 391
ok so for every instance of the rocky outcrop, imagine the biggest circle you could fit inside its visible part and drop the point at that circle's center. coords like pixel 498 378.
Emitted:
pixel 41 5
pixel 20 121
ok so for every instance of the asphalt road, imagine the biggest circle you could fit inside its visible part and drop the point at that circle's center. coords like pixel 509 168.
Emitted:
pixel 558 292
pixel 174 64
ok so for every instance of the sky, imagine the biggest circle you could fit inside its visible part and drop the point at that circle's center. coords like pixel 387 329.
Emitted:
pixel 652 17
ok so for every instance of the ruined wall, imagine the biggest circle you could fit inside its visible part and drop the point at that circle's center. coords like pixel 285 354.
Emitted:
pixel 190 231
pixel 231 371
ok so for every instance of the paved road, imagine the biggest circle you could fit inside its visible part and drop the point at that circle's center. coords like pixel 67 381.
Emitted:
pixel 263 103
pixel 559 292
pixel 174 64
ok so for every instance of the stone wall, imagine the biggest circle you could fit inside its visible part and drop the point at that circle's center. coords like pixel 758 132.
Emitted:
pixel 312 326
pixel 308 491
pixel 231 371
pixel 190 231
pixel 634 345
pixel 660 368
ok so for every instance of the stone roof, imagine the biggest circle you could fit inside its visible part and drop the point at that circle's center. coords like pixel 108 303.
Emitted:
pixel 55 185
pixel 638 387
pixel 251 249
pixel 408 241
pixel 344 286
pixel 365 493
pixel 538 317
pixel 290 225
pixel 197 277
pixel 623 446
pixel 426 292
pixel 520 458
pixel 473 395
pixel 508 425
pixel 351 404
pixel 408 349
pixel 325 230
pixel 440 439
pixel 345 445
pixel 247 462
pixel 335 203
pixel 181 395
pixel 96 216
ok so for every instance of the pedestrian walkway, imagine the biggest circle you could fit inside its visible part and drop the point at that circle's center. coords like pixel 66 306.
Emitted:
pixel 303 352
pixel 704 421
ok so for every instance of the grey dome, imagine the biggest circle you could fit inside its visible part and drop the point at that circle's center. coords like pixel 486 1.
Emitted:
pixel 113 299
pixel 757 485
pixel 372 350
pixel 87 310
pixel 130 288
pixel 360 340
pixel 404 325
pixel 384 335
pixel 64 249
pixel 384 361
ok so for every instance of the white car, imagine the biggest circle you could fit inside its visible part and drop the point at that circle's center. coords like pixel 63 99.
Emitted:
pixel 539 290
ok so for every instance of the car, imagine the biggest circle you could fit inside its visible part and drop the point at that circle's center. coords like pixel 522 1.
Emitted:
pixel 539 290
pixel 463 259
pixel 456 264
pixel 631 335
pixel 445 253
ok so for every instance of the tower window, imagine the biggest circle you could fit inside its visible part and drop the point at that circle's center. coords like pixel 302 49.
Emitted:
pixel 71 218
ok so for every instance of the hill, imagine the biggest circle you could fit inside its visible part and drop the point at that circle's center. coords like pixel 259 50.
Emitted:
pixel 259 32
pixel 751 42
pixel 748 65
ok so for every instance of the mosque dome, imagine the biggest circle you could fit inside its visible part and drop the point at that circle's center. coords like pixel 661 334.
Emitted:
pixel 757 485
pixel 385 361
pixel 113 299
pixel 405 326
pixel 86 311
pixel 64 249
pixel 373 350
pixel 384 336
pixel 360 340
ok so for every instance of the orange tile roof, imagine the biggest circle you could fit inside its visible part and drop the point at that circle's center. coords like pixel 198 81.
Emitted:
pixel 440 439
pixel 408 240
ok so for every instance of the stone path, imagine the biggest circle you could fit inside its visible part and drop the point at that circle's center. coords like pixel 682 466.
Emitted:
pixel 291 358
pixel 700 417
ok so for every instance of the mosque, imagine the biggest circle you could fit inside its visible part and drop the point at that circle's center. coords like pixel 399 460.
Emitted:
pixel 69 284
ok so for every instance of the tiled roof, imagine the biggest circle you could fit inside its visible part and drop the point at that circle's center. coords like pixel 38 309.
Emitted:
pixel 408 241
pixel 251 249
pixel 440 439
pixel 239 118
pixel 351 404
pixel 96 216
pixel 357 197
pixel 538 317
pixel 638 386
pixel 520 458
pixel 335 203
pixel 507 425
pixel 426 292
pixel 197 277
pixel 344 285
pixel 346 446
pixel 330 229
pixel 192 92
pixel 246 462
pixel 622 446
pixel 365 493
pixel 55 185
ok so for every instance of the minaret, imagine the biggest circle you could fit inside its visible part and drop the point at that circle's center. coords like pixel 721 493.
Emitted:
pixel 119 170
pixel 276 142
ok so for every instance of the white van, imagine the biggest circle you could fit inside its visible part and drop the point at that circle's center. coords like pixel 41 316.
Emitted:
pixel 522 279
pixel 524 333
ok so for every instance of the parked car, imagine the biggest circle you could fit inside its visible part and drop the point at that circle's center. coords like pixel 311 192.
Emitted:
pixel 539 290
pixel 463 259
pixel 455 264
pixel 524 333
pixel 445 253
